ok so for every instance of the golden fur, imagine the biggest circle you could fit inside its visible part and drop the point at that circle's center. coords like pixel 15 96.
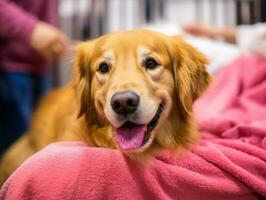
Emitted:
pixel 80 111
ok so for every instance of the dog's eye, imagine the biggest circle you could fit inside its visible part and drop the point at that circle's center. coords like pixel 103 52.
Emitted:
pixel 150 63
pixel 103 68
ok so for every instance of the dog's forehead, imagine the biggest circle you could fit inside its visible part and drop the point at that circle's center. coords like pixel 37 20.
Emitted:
pixel 138 41
pixel 142 52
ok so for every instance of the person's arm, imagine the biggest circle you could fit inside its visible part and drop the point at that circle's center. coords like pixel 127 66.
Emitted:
pixel 227 34
pixel 15 22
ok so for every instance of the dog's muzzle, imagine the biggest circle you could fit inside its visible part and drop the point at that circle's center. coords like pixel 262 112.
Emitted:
pixel 130 135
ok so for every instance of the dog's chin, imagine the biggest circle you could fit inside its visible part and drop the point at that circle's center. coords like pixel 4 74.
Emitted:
pixel 132 137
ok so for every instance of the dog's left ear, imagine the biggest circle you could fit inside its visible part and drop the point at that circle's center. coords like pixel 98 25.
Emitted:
pixel 190 74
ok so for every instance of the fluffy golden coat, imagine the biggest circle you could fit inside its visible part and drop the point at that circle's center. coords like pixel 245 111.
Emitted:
pixel 160 69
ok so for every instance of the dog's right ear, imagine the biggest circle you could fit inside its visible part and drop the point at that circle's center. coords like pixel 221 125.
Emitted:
pixel 83 77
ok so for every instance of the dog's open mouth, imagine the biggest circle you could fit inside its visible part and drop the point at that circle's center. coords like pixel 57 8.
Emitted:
pixel 133 136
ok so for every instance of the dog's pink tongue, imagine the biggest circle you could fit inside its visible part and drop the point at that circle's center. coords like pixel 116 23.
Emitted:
pixel 130 136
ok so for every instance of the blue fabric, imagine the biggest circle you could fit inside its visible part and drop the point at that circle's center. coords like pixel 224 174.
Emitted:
pixel 19 93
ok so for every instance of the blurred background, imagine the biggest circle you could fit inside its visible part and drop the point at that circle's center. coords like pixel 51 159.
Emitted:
pixel 85 19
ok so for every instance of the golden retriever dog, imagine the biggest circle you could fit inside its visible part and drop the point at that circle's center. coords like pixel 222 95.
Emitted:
pixel 131 90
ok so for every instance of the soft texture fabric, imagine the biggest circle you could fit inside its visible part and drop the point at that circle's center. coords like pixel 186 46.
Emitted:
pixel 18 18
pixel 228 163
pixel 252 38
pixel 19 93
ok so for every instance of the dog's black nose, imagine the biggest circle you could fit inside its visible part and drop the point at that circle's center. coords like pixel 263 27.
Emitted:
pixel 124 103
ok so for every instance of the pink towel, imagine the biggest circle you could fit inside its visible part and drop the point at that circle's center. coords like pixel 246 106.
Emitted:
pixel 228 163
pixel 235 106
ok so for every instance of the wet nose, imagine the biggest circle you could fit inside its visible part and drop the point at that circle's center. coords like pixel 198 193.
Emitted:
pixel 124 103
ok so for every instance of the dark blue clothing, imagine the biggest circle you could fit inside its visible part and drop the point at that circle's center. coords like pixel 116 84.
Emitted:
pixel 19 93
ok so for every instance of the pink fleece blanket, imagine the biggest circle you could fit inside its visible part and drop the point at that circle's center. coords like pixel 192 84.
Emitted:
pixel 228 163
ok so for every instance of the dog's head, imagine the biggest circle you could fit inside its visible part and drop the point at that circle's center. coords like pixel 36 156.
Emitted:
pixel 140 86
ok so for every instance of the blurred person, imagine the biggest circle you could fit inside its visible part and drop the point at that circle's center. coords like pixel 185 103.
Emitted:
pixel 29 42
pixel 250 38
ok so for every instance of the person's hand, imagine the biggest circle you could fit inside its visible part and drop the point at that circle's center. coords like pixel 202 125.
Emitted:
pixel 49 41
pixel 202 30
